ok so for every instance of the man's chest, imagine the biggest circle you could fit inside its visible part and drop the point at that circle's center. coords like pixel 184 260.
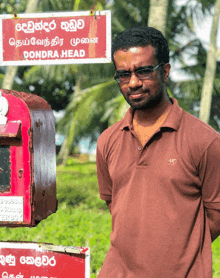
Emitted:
pixel 145 132
pixel 162 165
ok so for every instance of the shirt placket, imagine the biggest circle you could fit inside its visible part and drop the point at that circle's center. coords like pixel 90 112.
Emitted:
pixel 138 146
pixel 142 149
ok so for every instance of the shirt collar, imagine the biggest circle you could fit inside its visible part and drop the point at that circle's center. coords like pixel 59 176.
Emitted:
pixel 172 120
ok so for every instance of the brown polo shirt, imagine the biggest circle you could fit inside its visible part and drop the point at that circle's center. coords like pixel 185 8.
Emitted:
pixel 165 197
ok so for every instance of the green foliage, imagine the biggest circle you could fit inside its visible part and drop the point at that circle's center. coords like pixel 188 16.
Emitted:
pixel 216 258
pixel 86 109
pixel 127 14
pixel 54 83
pixel 84 112
pixel 1 79
pixel 79 182
pixel 100 73
pixel 116 109
pixel 56 5
pixel 12 6
pixel 71 5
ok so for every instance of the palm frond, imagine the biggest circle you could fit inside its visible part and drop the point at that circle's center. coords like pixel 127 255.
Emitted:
pixel 87 105
pixel 116 109
pixel 56 72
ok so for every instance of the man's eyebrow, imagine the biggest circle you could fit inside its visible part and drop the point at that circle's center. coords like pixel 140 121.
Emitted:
pixel 144 67
pixel 122 71
pixel 139 68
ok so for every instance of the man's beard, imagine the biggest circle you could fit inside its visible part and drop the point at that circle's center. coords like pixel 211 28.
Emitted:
pixel 148 103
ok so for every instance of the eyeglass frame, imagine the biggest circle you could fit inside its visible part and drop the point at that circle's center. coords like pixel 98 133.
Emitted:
pixel 140 68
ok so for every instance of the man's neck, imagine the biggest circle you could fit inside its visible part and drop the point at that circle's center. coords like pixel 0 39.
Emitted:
pixel 149 117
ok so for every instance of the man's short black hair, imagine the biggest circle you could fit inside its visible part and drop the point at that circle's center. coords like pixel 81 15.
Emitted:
pixel 142 36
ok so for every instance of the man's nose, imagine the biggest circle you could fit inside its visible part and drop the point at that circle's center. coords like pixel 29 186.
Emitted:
pixel 134 81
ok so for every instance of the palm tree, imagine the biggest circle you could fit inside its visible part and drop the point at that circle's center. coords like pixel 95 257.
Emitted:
pixel 189 92
pixel 210 68
pixel 158 14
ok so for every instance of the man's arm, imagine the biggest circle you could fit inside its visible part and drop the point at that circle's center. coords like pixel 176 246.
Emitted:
pixel 104 179
pixel 214 225
pixel 209 169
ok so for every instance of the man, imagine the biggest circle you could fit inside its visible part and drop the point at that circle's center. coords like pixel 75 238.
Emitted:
pixel 158 170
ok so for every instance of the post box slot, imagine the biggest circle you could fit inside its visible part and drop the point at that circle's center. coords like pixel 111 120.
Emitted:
pixel 5 172
pixel 11 130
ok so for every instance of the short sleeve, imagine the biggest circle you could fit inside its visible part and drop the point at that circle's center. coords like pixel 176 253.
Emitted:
pixel 209 172
pixel 104 180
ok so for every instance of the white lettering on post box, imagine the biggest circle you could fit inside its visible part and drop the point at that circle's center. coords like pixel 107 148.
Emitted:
pixel 11 208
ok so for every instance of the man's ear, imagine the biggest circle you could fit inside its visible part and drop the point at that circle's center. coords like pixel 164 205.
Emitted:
pixel 166 69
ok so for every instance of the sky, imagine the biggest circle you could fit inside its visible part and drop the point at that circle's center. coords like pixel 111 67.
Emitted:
pixel 202 29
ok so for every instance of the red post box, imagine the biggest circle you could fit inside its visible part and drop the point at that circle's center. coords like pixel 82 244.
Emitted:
pixel 27 159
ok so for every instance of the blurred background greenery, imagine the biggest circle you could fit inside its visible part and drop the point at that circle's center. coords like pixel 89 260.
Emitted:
pixel 87 93
pixel 91 101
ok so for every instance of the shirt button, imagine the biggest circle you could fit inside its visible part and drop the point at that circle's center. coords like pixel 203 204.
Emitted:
pixel 139 148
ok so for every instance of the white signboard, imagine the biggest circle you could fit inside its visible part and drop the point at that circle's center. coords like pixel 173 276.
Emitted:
pixel 11 209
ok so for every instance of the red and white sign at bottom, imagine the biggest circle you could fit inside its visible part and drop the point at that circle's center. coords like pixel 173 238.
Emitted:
pixel 38 260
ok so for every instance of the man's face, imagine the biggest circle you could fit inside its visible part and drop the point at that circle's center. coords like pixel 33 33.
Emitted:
pixel 141 94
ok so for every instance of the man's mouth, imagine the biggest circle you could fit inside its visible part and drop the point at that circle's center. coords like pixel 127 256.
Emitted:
pixel 135 96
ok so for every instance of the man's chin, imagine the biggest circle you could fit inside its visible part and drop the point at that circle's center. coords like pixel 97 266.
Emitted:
pixel 138 105
pixel 141 104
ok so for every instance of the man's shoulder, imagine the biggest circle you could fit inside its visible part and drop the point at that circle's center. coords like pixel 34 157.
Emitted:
pixel 198 134
pixel 198 128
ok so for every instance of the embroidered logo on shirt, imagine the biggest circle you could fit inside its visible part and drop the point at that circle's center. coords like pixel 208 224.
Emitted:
pixel 172 161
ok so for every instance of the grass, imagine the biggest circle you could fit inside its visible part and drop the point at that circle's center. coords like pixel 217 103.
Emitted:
pixel 216 258
pixel 82 219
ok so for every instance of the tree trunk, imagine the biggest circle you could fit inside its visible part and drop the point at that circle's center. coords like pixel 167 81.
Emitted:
pixel 69 142
pixel 12 70
pixel 62 151
pixel 158 14
pixel 66 146
pixel 71 136
pixel 76 5
pixel 206 98
pixel 9 77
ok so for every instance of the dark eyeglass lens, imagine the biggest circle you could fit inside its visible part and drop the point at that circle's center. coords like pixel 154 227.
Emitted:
pixel 143 72
pixel 124 76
